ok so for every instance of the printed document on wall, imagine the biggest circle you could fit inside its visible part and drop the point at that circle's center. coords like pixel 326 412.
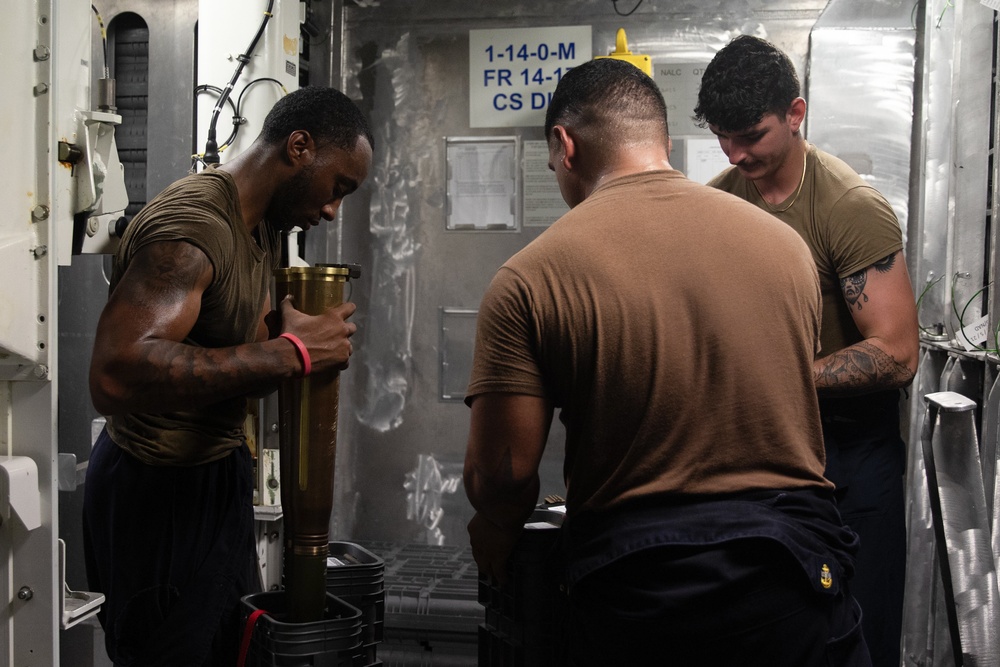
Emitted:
pixel 482 183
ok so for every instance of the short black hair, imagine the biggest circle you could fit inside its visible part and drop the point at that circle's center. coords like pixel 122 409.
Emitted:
pixel 749 78
pixel 326 114
pixel 603 89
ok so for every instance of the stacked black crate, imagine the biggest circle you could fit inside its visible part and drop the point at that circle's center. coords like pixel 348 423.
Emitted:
pixel 526 614
pixel 356 576
pixel 271 641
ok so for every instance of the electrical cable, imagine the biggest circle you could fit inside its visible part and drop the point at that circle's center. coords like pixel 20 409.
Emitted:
pixel 238 119
pixel 239 100
pixel 961 320
pixel 211 154
pixel 947 6
pixel 205 87
pixel 954 306
pixel 926 289
pixel 104 40
pixel 628 13
pixel 199 157
pixel 961 316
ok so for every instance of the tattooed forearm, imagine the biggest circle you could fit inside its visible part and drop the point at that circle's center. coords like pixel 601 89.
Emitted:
pixel 197 375
pixel 860 369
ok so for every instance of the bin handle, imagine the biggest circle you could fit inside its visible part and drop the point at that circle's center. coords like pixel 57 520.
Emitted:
pixel 247 634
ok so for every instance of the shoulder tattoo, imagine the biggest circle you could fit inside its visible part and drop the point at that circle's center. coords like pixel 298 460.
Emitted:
pixel 853 286
pixel 172 266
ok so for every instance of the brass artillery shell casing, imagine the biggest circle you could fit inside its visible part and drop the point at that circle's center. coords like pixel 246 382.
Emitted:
pixel 307 420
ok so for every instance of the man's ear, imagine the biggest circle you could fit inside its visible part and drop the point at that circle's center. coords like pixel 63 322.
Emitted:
pixel 568 155
pixel 300 148
pixel 796 114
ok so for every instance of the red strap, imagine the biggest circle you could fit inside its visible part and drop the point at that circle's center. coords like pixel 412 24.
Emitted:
pixel 247 634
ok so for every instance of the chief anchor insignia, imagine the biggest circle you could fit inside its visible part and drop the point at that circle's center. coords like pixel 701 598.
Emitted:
pixel 825 578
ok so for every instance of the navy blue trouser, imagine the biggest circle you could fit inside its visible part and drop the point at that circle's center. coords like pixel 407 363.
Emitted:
pixel 866 459
pixel 172 549
pixel 747 604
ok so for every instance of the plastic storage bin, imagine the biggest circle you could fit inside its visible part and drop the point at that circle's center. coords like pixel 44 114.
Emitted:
pixel 526 615
pixel 333 641
pixel 356 575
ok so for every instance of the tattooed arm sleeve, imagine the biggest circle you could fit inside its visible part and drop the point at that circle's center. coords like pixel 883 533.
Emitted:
pixel 882 305
pixel 141 364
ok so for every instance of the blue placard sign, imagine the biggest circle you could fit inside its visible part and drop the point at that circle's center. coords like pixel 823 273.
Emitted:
pixel 513 72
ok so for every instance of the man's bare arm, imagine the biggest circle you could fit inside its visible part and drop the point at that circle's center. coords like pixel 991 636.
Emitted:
pixel 881 301
pixel 506 440
pixel 141 364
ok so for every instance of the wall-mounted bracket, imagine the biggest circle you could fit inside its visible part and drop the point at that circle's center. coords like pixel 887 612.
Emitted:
pixel 19 493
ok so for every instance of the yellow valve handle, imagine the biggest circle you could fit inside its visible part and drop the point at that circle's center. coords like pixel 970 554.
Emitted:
pixel 621 45
pixel 621 52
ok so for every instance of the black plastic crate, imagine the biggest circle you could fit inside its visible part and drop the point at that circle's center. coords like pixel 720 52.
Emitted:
pixel 353 569
pixel 525 616
pixel 334 641
pixel 352 560
pixel 356 575
pixel 372 615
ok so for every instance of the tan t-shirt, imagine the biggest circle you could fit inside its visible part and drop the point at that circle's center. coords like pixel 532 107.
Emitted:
pixel 674 326
pixel 203 210
pixel 846 223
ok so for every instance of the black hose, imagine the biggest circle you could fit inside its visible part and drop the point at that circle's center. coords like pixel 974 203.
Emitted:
pixel 235 107
pixel 211 145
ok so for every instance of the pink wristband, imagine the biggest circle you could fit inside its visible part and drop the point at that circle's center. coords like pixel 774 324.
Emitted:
pixel 301 349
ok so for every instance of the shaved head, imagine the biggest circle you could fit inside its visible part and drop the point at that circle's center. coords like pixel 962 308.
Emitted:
pixel 610 103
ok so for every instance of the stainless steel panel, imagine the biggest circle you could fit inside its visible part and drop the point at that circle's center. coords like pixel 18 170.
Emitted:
pixel 989 452
pixel 948 235
pixel 988 446
pixel 948 248
pixel 968 193
pixel 869 15
pixel 994 242
pixel 963 374
pixel 954 478
pixel 925 640
pixel 874 69
pixel 931 261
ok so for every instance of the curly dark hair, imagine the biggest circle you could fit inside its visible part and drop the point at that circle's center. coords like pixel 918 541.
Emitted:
pixel 609 92
pixel 747 79
pixel 325 113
